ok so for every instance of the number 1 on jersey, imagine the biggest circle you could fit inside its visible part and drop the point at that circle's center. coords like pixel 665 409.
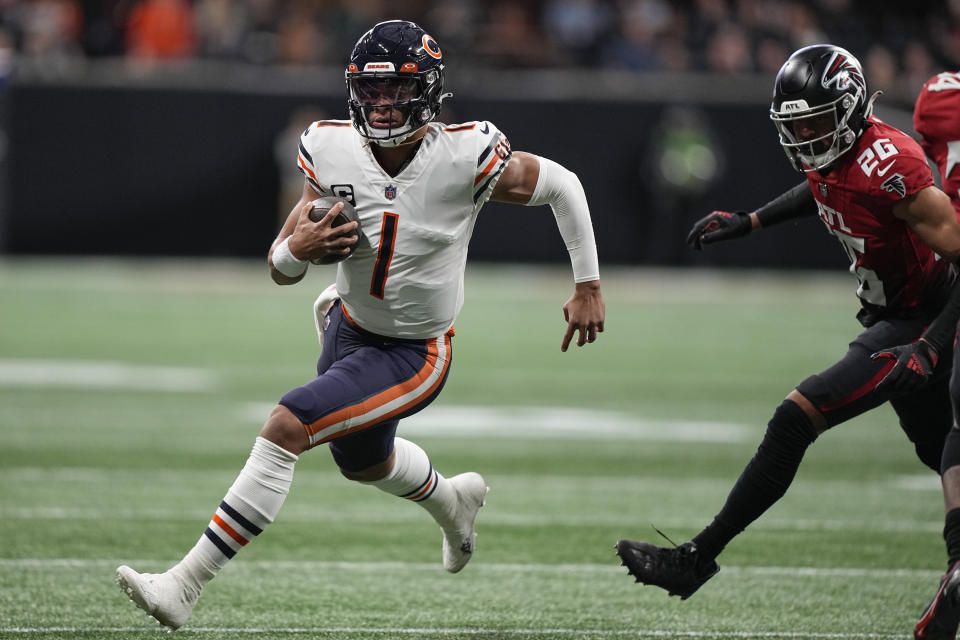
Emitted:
pixel 388 237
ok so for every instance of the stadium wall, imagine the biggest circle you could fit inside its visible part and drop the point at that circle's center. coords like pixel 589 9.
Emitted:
pixel 97 167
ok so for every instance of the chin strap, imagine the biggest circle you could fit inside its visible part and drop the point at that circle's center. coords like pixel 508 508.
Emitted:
pixel 868 110
pixel 392 142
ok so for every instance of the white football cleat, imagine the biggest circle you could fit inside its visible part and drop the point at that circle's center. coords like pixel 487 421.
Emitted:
pixel 161 595
pixel 460 539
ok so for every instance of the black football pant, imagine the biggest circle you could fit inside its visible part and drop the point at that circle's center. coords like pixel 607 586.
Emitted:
pixel 840 392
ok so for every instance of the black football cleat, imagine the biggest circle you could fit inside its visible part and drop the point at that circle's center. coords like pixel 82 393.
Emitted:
pixel 942 616
pixel 677 569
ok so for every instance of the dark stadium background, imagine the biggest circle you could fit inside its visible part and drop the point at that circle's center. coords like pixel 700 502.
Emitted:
pixel 122 141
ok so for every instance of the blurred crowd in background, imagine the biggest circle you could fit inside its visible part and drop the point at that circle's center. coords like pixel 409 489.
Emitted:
pixel 681 156
pixel 900 43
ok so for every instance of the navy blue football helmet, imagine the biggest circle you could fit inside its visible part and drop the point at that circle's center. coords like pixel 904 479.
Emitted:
pixel 821 88
pixel 394 82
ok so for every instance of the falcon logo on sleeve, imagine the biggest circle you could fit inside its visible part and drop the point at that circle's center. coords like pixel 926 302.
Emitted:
pixel 894 184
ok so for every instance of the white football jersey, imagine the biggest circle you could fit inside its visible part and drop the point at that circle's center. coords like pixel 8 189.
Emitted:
pixel 405 279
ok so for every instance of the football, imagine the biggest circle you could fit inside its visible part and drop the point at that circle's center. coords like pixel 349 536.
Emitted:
pixel 348 214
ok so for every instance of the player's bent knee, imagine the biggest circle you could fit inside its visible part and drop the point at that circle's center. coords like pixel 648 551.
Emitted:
pixel 285 430
pixel 792 424
pixel 817 419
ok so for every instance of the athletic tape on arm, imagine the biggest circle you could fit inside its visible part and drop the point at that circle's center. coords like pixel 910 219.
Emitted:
pixel 561 189
pixel 285 262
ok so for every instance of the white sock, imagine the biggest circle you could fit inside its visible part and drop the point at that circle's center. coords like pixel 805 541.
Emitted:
pixel 249 506
pixel 414 478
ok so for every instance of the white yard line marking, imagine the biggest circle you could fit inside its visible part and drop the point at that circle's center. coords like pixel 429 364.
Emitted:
pixel 95 374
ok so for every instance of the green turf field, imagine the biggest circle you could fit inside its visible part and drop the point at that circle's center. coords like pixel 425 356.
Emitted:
pixel 130 394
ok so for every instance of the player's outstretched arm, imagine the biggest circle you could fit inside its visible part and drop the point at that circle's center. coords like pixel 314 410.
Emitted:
pixel 532 180
pixel 717 226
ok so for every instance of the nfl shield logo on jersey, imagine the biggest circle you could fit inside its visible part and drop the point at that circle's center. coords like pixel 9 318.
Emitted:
pixel 823 189
pixel 390 192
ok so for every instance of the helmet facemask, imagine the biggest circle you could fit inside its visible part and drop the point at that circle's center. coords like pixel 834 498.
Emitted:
pixel 387 108
pixel 834 123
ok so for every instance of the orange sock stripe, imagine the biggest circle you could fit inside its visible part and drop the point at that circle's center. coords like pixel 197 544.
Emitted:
pixel 230 530
pixel 386 396
pixel 426 489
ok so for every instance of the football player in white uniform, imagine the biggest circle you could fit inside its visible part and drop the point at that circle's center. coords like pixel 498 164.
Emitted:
pixel 417 187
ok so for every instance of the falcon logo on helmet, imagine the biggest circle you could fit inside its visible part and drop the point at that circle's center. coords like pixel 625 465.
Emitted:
pixel 394 82
pixel 820 106
pixel 840 72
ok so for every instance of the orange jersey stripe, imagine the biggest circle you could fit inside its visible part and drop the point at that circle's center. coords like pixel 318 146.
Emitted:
pixel 386 396
pixel 333 123
pixel 486 169
pixel 303 165
pixel 346 315
pixel 230 530
pixel 463 127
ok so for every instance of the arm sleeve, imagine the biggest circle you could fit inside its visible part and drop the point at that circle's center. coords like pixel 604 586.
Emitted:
pixel 798 202
pixel 561 189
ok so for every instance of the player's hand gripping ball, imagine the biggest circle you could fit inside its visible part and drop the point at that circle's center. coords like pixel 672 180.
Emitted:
pixel 348 214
